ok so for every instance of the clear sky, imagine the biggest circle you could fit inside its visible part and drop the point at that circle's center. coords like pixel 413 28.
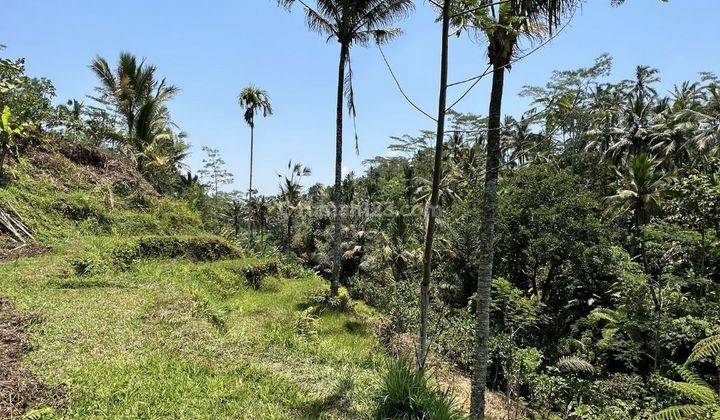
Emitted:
pixel 214 48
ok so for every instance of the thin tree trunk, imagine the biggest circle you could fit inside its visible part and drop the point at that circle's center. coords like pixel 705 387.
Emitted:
pixel 250 190
pixel 288 245
pixel 344 50
pixel 433 208
pixel 3 153
pixel 487 237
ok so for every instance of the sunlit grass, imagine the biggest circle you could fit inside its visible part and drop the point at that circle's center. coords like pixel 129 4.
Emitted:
pixel 171 338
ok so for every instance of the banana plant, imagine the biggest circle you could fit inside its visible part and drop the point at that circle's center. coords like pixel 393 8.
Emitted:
pixel 8 136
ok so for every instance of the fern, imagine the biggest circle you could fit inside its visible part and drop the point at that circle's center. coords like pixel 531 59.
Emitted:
pixel 690 377
pixel 681 412
pixel 700 394
pixel 608 315
pixel 706 348
pixel 574 364
pixel 44 413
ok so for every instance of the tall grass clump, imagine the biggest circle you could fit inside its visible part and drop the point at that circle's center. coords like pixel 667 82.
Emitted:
pixel 408 394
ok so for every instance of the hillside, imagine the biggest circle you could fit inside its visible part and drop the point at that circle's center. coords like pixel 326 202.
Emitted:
pixel 125 308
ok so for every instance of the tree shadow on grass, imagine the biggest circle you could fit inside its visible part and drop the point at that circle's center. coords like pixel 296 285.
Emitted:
pixel 339 401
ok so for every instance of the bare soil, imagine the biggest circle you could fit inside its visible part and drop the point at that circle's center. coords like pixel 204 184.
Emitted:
pixel 12 252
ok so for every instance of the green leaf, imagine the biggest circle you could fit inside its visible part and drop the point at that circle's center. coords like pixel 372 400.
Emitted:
pixel 708 347
pixel 5 119
pixel 680 412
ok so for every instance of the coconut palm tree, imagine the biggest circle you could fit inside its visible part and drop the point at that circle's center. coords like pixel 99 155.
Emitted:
pixel 641 189
pixel 151 130
pixel 127 87
pixel 504 24
pixel 290 194
pixel 253 101
pixel 350 23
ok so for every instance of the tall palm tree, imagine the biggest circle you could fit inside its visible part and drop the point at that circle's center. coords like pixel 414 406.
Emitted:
pixel 350 23
pixel 254 101
pixel 127 87
pixel 504 24
pixel 641 192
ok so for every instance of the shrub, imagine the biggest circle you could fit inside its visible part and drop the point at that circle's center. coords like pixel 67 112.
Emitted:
pixel 322 301
pixel 306 324
pixel 204 307
pixel 407 394
pixel 254 274
pixel 86 265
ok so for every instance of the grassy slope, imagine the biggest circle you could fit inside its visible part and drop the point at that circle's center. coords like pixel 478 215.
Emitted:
pixel 174 338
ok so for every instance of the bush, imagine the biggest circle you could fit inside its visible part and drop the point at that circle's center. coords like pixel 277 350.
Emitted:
pixel 407 394
pixel 254 274
pixel 306 324
pixel 205 307
pixel 321 301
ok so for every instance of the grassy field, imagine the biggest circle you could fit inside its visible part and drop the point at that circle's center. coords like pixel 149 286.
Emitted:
pixel 180 339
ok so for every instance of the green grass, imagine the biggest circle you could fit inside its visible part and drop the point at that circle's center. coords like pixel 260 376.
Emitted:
pixel 177 339
pixel 146 316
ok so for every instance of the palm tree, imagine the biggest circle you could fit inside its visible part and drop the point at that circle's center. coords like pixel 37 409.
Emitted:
pixel 253 100
pixel 641 192
pixel 150 135
pixel 641 189
pixel 350 23
pixel 129 86
pixel 290 194
pixel 503 24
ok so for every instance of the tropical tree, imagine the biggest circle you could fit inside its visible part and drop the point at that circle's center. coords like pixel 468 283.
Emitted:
pixel 504 24
pixel 253 101
pixel 641 189
pixel 214 170
pixel 641 193
pixel 126 88
pixel 8 135
pixel 350 23
pixel 290 194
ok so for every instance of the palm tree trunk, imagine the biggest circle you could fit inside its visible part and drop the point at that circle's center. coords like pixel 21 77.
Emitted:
pixel 250 190
pixel 487 237
pixel 344 50
pixel 433 209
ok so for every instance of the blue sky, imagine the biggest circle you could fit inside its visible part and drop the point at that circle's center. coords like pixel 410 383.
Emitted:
pixel 212 49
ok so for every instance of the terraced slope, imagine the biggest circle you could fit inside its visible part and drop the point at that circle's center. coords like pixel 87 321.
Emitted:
pixel 125 307
pixel 182 339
